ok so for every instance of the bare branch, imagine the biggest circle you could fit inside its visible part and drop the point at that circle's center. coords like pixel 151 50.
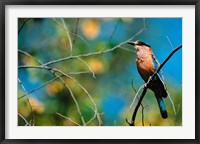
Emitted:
pixel 50 81
pixel 144 23
pixel 171 102
pixel 133 101
pixel 169 96
pixel 93 53
pixel 26 94
pixel 77 73
pixel 27 124
pixel 133 86
pixel 70 32
pixel 127 49
pixel 69 38
pixel 157 62
pixel 68 119
pixel 141 105
pixel 24 22
pixel 27 54
pixel 110 38
pixel 93 74
pixel 142 114
pixel 170 55
pixel 170 43
pixel 53 121
pixel 95 115
pixel 76 103
pixel 76 30
pixel 79 37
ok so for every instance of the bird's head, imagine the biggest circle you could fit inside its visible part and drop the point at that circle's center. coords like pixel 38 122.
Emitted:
pixel 140 45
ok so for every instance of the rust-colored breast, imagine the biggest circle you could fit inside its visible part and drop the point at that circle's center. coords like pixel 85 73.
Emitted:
pixel 145 64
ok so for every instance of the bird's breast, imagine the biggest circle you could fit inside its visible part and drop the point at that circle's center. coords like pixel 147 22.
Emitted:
pixel 145 65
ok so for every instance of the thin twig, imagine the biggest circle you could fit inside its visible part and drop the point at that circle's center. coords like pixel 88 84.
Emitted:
pixel 171 102
pixel 54 124
pixel 157 62
pixel 50 81
pixel 144 23
pixel 76 103
pixel 79 37
pixel 141 104
pixel 68 119
pixel 27 54
pixel 177 115
pixel 110 38
pixel 68 36
pixel 77 73
pixel 127 49
pixel 133 86
pixel 142 114
pixel 26 94
pixel 133 101
pixel 171 54
pixel 169 96
pixel 95 115
pixel 170 43
pixel 93 74
pixel 137 106
pixel 27 123
pixel 76 30
pixel 70 32
pixel 23 25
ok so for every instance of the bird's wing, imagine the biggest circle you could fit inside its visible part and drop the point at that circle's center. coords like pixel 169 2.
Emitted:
pixel 157 64
pixel 159 75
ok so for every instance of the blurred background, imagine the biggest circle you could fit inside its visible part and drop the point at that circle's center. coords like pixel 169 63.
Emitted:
pixel 41 40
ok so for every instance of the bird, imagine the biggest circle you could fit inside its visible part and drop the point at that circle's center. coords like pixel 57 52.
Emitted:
pixel 146 65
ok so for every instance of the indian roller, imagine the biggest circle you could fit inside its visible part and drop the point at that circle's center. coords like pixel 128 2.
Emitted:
pixel 146 66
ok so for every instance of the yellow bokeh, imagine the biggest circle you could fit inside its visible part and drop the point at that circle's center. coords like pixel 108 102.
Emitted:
pixel 64 43
pixel 29 61
pixel 96 65
pixel 90 28
pixel 141 124
pixel 54 87
pixel 128 20
pixel 23 109
pixel 36 105
pixel 69 82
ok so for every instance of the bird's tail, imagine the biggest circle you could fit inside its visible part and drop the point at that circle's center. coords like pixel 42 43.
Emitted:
pixel 162 107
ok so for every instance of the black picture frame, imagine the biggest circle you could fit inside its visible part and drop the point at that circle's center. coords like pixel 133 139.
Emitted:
pixel 3 4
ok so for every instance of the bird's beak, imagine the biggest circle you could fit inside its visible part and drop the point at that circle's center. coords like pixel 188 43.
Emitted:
pixel 131 43
pixel 134 44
